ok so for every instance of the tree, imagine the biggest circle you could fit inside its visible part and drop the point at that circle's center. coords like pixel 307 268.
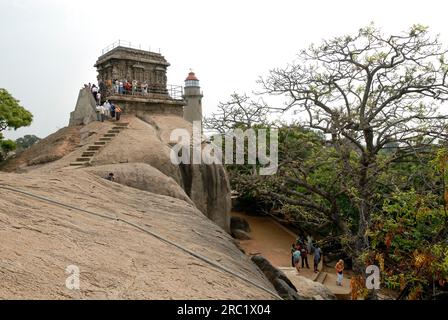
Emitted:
pixel 26 141
pixel 364 93
pixel 239 112
pixel 12 116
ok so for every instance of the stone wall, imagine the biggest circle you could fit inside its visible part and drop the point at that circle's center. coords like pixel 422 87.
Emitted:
pixel 130 64
pixel 141 106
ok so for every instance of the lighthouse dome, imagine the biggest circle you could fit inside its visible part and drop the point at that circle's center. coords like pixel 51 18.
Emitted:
pixel 191 80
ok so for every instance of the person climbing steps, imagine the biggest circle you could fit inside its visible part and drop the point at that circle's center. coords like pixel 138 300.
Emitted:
pixel 117 113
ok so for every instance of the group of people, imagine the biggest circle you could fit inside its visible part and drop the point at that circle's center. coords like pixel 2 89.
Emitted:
pixel 300 250
pixel 104 110
pixel 299 253
pixel 128 87
pixel 124 87
pixel 108 111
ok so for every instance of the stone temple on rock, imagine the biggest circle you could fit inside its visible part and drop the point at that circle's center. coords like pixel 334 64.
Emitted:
pixel 123 63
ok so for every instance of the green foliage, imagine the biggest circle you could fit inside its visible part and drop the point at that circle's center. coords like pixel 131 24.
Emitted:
pixel 26 141
pixel 359 168
pixel 12 116
pixel 409 236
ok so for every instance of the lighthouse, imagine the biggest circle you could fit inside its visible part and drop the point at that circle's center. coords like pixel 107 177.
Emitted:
pixel 193 98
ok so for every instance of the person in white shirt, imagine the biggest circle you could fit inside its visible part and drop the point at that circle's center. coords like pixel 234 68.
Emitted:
pixel 116 86
pixel 98 98
pixel 95 92
pixel 99 113
pixel 106 107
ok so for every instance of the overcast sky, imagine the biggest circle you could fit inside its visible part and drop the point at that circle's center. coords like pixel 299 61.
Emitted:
pixel 48 47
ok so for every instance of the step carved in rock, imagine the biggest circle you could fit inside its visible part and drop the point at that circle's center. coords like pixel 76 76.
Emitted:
pixel 83 159
pixel 100 143
pixel 77 164
pixel 107 135
pixel 321 277
pixel 88 154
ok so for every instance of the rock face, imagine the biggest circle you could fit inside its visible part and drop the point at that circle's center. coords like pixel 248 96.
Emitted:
pixel 239 228
pixel 117 259
pixel 239 223
pixel 84 112
pixel 52 148
pixel 143 177
pixel 282 284
pixel 145 147
pixel 309 288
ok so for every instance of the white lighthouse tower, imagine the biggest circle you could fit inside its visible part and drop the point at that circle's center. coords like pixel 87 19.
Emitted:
pixel 193 98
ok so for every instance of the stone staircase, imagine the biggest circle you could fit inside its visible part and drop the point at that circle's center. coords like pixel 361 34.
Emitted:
pixel 321 276
pixel 94 148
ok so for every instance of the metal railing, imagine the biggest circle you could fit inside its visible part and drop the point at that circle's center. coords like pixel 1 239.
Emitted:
pixel 175 92
pixel 126 44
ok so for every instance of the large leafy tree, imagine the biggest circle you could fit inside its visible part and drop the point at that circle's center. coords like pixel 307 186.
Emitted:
pixel 26 141
pixel 12 116
pixel 376 99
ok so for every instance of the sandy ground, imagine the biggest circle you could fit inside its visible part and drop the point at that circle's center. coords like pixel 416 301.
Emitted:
pixel 269 239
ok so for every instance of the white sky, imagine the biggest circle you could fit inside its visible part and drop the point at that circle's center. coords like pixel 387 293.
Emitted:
pixel 48 47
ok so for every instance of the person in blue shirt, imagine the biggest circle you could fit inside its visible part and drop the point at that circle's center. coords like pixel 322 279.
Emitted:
pixel 293 249
pixel 296 257
pixel 317 256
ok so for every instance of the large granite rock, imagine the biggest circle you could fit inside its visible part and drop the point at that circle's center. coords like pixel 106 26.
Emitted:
pixel 142 176
pixel 239 223
pixel 281 282
pixel 312 289
pixel 40 240
pixel 147 141
pixel 84 112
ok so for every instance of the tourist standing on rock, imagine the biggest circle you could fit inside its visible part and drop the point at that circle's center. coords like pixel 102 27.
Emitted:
pixel 98 98
pixel 304 255
pixel 134 87
pixel 340 272
pixel 127 87
pixel 309 244
pixel 98 112
pixel 94 92
pixel 317 256
pixel 110 177
pixel 106 106
pixel 296 257
pixel 293 249
pixel 117 113
pixel 121 87
pixel 102 114
pixel 112 110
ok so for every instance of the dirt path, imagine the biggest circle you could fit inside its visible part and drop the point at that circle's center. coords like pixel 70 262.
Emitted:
pixel 264 230
pixel 273 241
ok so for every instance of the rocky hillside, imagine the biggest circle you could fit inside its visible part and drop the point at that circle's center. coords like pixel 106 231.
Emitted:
pixel 135 238
pixel 117 260
pixel 145 141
